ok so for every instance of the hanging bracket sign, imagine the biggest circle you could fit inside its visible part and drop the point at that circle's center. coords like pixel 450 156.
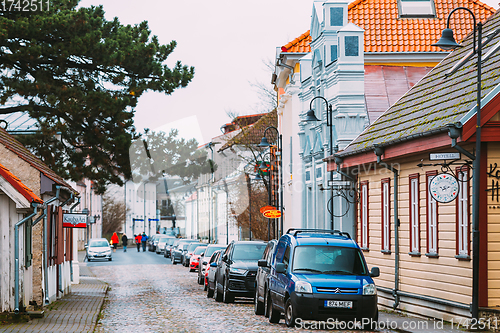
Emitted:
pixel 266 208
pixel 74 220
pixel 272 214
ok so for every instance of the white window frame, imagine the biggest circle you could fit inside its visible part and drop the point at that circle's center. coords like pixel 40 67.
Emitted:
pixel 432 220
pixel 415 214
pixel 463 218
pixel 364 216
pixel 386 215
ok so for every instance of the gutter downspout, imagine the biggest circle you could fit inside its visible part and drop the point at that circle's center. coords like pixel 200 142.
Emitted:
pixel 76 204
pixel 16 249
pixel 454 134
pixel 379 151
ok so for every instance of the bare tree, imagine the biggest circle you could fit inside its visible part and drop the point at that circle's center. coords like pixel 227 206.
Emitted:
pixel 113 214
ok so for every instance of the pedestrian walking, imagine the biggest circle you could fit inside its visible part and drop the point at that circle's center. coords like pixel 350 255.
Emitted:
pixel 144 238
pixel 124 241
pixel 138 242
pixel 114 241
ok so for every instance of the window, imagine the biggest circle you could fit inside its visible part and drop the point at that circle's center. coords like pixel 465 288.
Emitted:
pixel 414 214
pixel 386 216
pixel 286 256
pixel 351 46
pixel 463 214
pixel 416 8
pixel 336 17
pixel 364 216
pixel 432 219
pixel 333 53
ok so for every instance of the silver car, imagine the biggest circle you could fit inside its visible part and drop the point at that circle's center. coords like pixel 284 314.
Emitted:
pixel 98 248
pixel 162 241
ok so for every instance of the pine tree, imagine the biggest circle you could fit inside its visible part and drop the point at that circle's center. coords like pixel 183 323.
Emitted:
pixel 80 76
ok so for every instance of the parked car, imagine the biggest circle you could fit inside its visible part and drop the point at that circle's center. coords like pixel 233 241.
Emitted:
pixel 178 253
pixel 190 250
pixel 205 258
pixel 169 245
pixel 212 271
pixel 194 261
pixel 320 274
pixel 161 242
pixel 235 275
pixel 150 242
pixel 98 248
pixel 262 277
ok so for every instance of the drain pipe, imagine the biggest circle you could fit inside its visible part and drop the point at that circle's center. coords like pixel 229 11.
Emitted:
pixel 16 249
pixel 454 134
pixel 379 151
pixel 76 204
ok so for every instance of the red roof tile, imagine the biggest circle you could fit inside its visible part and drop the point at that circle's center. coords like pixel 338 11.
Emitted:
pixel 16 147
pixel 19 186
pixel 385 31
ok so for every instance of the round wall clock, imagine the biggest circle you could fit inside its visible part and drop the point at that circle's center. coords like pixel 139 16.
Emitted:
pixel 444 187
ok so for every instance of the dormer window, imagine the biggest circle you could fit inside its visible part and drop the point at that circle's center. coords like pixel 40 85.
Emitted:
pixel 336 17
pixel 416 8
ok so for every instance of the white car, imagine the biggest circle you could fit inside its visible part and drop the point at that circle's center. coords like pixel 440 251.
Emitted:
pixel 98 248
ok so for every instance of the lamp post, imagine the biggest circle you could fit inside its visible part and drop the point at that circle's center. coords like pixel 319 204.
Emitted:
pixel 447 42
pixel 310 116
pixel 264 144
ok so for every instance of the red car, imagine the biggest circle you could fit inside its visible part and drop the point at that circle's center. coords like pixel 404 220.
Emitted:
pixel 194 261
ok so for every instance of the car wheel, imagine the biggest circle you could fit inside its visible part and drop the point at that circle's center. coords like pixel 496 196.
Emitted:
pixel 217 294
pixel 191 270
pixel 289 315
pixel 200 281
pixel 266 304
pixel 259 306
pixel 109 259
pixel 205 287
pixel 210 292
pixel 227 296
pixel 274 315
pixel 174 262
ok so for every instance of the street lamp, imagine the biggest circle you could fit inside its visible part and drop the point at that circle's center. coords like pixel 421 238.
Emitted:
pixel 310 116
pixel 447 42
pixel 265 144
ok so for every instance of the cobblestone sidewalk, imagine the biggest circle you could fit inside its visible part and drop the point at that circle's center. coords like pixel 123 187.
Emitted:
pixel 76 312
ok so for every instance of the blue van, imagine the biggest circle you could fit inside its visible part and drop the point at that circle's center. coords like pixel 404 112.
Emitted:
pixel 320 275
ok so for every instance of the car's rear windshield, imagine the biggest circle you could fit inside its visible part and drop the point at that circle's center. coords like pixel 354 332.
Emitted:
pixel 248 251
pixel 101 243
pixel 200 249
pixel 328 260
pixel 212 249
pixel 193 246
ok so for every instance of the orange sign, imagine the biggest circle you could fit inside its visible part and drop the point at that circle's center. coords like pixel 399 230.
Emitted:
pixel 272 214
pixel 266 208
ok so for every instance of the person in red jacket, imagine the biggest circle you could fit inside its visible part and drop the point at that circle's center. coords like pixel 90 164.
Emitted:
pixel 138 239
pixel 114 241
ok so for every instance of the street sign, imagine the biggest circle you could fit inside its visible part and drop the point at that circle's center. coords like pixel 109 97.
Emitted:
pixel 272 214
pixel 74 220
pixel 339 183
pixel 266 208
pixel 444 156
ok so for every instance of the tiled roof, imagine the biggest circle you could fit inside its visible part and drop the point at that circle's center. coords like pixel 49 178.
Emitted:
pixel 18 185
pixel 15 146
pixel 252 134
pixel 437 100
pixel 299 44
pixel 385 31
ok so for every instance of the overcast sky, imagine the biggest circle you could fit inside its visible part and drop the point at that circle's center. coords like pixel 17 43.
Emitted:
pixel 226 41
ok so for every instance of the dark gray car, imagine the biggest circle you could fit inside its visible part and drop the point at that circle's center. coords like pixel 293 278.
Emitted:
pixel 262 278
pixel 178 253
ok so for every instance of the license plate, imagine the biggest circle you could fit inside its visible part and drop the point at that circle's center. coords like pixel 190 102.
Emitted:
pixel 338 304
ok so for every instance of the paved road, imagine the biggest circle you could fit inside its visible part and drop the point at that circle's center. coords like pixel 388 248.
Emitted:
pixel 147 292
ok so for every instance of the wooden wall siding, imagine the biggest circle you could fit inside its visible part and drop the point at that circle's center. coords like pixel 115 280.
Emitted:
pixel 493 230
pixel 444 277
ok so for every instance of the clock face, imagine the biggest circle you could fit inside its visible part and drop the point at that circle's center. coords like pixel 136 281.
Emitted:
pixel 444 187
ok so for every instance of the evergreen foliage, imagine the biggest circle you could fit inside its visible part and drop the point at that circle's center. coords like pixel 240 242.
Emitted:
pixel 80 76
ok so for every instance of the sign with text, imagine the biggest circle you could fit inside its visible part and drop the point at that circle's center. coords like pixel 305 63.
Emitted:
pixel 444 156
pixel 272 214
pixel 266 208
pixel 74 220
